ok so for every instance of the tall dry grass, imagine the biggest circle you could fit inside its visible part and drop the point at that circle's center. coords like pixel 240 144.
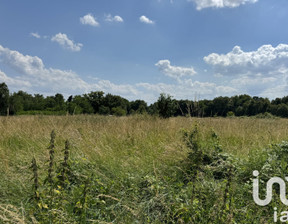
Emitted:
pixel 128 138
pixel 120 146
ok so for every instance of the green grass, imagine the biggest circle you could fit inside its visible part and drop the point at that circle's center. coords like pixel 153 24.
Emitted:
pixel 137 167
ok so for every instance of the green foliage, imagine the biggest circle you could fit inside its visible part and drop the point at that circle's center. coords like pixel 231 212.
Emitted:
pixel 118 111
pixel 230 114
pixel 265 115
pixel 104 110
pixel 166 105
pixel 96 100
pixel 4 98
pixel 138 107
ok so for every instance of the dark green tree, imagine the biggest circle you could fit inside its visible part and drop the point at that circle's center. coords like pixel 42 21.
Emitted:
pixel 38 102
pixel 96 100
pixel 50 103
pixel 220 106
pixel 282 110
pixel 4 99
pixel 16 104
pixel 114 101
pixel 138 106
pixel 60 102
pixel 153 109
pixel 81 105
pixel 166 105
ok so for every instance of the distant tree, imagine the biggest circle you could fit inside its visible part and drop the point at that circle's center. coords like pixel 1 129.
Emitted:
pixel 220 106
pixel 4 99
pixel 27 100
pixel 166 105
pixel 114 101
pixel 70 98
pixel 70 105
pixel 96 100
pixel 153 109
pixel 138 106
pixel 38 102
pixel 59 102
pixel 209 108
pixel 104 110
pixel 50 103
pixel 16 104
pixel 239 111
pixel 276 101
pixel 80 104
pixel 184 108
pixel 282 110
pixel 284 100
pixel 202 108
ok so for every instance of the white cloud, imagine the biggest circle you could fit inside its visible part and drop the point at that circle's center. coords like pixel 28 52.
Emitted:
pixel 89 19
pixel 23 64
pixel 146 20
pixel 36 35
pixel 35 75
pixel 15 82
pixel 174 71
pixel 65 42
pixel 260 72
pixel 117 19
pixel 201 4
pixel 255 86
pixel 266 60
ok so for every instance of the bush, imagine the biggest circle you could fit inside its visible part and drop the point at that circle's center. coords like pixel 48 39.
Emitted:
pixel 265 115
pixel 118 111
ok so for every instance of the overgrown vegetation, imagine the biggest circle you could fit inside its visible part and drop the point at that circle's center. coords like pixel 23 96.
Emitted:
pixel 140 169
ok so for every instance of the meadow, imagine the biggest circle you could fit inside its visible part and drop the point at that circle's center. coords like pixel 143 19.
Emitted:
pixel 137 169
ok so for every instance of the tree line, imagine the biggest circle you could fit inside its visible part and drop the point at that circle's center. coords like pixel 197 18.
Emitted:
pixel 97 102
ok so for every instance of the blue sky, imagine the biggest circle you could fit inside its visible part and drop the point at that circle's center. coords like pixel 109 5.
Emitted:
pixel 138 49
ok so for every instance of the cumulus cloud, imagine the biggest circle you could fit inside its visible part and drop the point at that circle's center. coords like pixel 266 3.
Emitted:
pixel 174 71
pixel 146 20
pixel 21 63
pixel 66 43
pixel 266 60
pixel 35 75
pixel 260 72
pixel 201 4
pixel 117 19
pixel 89 19
pixel 15 82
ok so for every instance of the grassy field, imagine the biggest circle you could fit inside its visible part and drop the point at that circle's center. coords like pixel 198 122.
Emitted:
pixel 137 169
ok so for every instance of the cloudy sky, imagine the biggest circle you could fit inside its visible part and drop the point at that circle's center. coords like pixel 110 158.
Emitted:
pixel 141 48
